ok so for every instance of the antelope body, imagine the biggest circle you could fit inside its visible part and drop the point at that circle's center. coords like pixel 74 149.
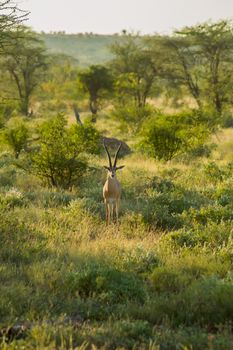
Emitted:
pixel 112 188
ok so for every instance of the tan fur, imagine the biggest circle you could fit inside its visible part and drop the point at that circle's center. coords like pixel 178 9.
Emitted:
pixel 112 187
pixel 111 194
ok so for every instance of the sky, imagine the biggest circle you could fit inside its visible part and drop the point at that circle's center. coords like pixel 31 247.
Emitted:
pixel 112 16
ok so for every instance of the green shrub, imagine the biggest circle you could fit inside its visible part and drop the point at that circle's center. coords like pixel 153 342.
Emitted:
pixel 215 213
pixel 224 194
pixel 166 136
pixel 206 302
pixel 7 109
pixel 133 224
pixel 214 235
pixel 50 199
pixel 138 260
pixel 213 172
pixel 163 203
pixel 187 338
pixel 131 117
pixel 161 142
pixel 227 120
pixel 86 137
pixel 16 136
pixel 202 302
pixel 106 284
pixel 168 281
pixel 12 198
pixel 202 151
pixel 218 174
pixel 58 160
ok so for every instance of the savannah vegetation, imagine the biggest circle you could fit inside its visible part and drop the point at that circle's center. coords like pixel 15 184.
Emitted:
pixel 161 279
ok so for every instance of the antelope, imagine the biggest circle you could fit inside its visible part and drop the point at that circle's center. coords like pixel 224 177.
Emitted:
pixel 112 187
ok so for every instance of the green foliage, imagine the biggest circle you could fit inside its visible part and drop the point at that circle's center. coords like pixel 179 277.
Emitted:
pixel 16 135
pixel 161 142
pixel 97 81
pixel 202 151
pixel 136 69
pixel 6 110
pixel 26 62
pixel 165 280
pixel 86 137
pixel 199 59
pixel 216 174
pixel 227 120
pixel 213 235
pixel 215 213
pixel 131 117
pixel 207 301
pixel 165 137
pixel 106 284
pixel 12 198
pixel 58 161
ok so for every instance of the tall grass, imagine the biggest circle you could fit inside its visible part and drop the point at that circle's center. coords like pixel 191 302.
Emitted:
pixel 162 279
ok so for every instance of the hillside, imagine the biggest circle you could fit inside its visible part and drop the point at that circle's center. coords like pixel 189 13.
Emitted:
pixel 86 48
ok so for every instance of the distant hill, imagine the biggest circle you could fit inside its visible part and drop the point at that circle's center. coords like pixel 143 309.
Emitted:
pixel 86 48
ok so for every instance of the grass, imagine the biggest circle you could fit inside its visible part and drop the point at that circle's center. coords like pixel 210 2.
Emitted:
pixel 163 279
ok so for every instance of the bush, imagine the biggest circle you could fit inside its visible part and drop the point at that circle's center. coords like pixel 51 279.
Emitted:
pixel 131 117
pixel 214 235
pixel 168 281
pixel 58 160
pixel 202 151
pixel 211 213
pixel 12 198
pixel 7 109
pixel 165 137
pixel 106 284
pixel 217 174
pixel 86 138
pixel 227 121
pixel 16 136
pixel 206 302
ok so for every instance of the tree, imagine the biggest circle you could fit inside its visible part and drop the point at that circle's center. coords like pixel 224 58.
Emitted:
pixel 97 81
pixel 135 69
pixel 26 63
pixel 182 67
pixel 10 17
pixel 214 46
pixel 201 58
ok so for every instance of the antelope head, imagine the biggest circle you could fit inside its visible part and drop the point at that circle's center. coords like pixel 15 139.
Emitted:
pixel 113 168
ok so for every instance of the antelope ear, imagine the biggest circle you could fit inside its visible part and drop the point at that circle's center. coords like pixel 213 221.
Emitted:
pixel 120 167
pixel 106 167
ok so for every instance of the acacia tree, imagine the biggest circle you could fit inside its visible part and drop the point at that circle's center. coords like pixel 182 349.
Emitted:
pixel 182 66
pixel 10 17
pixel 26 63
pixel 214 46
pixel 97 81
pixel 201 59
pixel 135 69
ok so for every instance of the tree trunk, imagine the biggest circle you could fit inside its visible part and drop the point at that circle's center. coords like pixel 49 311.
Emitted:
pixel 94 110
pixel 24 105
